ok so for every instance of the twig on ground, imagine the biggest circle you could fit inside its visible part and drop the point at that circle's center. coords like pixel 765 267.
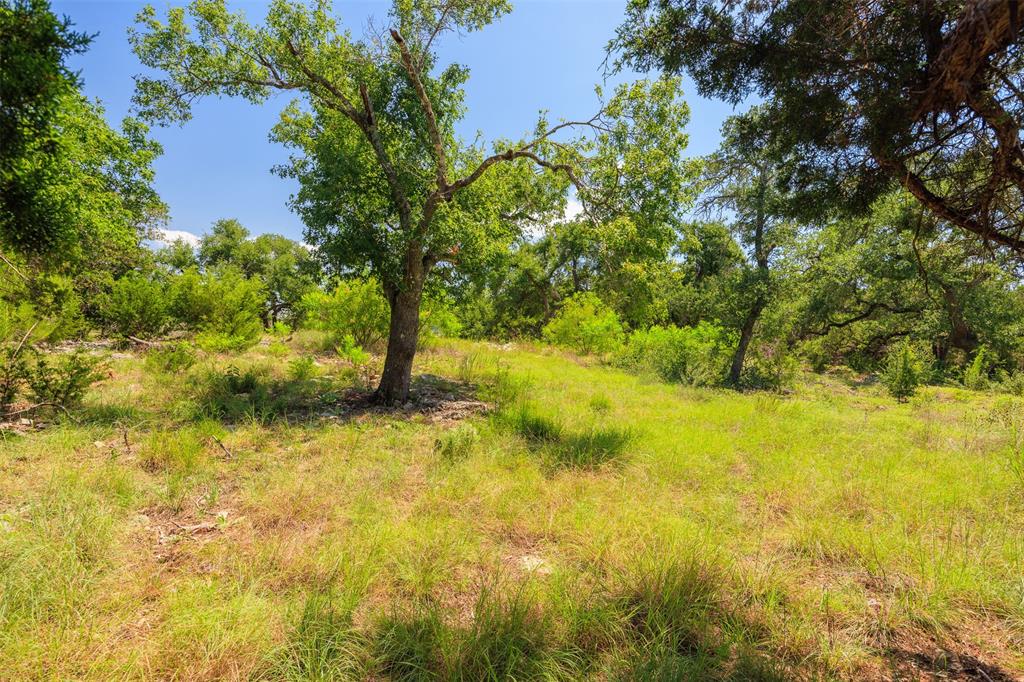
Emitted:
pixel 223 447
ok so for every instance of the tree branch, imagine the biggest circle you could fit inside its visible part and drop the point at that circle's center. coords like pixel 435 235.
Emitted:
pixel 440 161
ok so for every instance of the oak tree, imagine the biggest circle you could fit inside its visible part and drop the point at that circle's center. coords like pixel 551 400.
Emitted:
pixel 386 184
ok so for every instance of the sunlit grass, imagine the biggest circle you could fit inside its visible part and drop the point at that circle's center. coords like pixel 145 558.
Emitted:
pixel 594 525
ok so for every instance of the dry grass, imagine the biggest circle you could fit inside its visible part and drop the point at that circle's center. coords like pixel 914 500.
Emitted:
pixel 594 525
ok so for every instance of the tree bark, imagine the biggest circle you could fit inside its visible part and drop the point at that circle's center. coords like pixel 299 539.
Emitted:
pixel 746 334
pixel 402 338
pixel 761 252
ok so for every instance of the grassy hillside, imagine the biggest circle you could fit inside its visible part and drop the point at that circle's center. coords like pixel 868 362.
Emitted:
pixel 537 517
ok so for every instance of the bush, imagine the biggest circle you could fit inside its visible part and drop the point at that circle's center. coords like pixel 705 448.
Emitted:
pixel 976 374
pixel 135 306
pixel 13 374
pixel 219 342
pixel 437 321
pixel 222 304
pixel 358 361
pixel 62 380
pixel 1014 383
pixel 903 371
pixel 356 307
pixel 770 368
pixel 20 328
pixel 698 356
pixel 586 325
pixel 173 358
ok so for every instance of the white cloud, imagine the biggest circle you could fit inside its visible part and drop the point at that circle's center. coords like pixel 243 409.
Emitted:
pixel 170 236
pixel 572 209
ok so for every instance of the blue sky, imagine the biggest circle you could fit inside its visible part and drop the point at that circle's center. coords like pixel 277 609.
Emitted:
pixel 546 54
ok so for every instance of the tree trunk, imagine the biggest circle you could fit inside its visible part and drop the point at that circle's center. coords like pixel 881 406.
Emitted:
pixel 746 334
pixel 402 337
pixel 761 253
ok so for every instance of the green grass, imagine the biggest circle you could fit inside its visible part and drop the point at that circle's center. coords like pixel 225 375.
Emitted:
pixel 219 523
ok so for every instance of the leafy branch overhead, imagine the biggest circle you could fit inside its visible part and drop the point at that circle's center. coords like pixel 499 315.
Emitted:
pixel 870 94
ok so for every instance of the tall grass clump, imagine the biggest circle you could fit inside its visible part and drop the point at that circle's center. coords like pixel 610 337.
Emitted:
pixel 508 638
pixel 53 553
pixel 536 428
pixel 590 448
pixel 680 625
pixel 324 645
pixel 457 443
pixel 697 356
pixel 256 393
pixel 408 647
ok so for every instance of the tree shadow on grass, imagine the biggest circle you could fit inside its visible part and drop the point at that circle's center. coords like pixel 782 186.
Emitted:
pixel 588 448
pixel 939 663
pixel 234 395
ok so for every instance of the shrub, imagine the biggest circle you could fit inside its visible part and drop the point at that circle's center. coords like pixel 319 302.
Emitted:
pixel 13 374
pixel 902 373
pixel 62 380
pixel 698 356
pixel 20 327
pixel 586 325
pixel 355 307
pixel 357 359
pixel 437 321
pixel 172 358
pixel 976 373
pixel 302 369
pixel 1014 383
pixel 222 304
pixel 770 368
pixel 135 306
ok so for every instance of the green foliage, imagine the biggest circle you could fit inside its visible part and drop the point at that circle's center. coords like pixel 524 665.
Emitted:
pixel 14 371
pixel 378 123
pixel 770 368
pixel 457 443
pixel 858 136
pixel 136 306
pixel 62 380
pixel 358 360
pixel 286 268
pixel 438 320
pixel 222 304
pixel 585 324
pixel 976 374
pixel 172 358
pixel 256 392
pixel 1014 383
pixel 354 307
pixel 698 355
pixel 903 372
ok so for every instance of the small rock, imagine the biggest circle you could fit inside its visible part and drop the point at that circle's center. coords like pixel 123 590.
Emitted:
pixel 534 564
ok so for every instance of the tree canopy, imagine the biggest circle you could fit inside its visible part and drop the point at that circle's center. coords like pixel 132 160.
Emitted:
pixel 385 182
pixel 869 95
